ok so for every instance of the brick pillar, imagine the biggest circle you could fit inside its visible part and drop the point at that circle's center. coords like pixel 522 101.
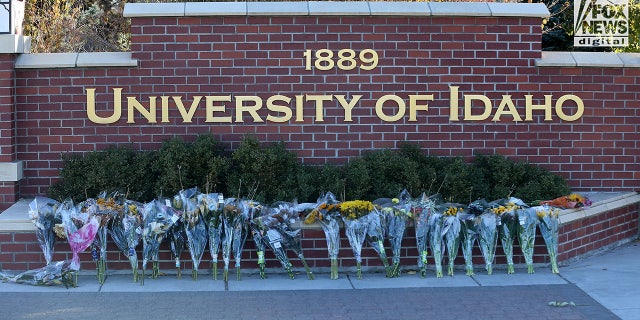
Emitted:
pixel 10 166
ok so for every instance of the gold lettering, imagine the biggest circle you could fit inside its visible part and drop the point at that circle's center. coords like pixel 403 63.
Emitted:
pixel 211 108
pixel 252 109
pixel 453 103
pixel 348 106
pixel 187 116
pixel 319 105
pixel 91 107
pixel 413 104
pixel 150 114
pixel 467 107
pixel 506 102
pixel 530 107
pixel 300 108
pixel 579 105
pixel 165 109
pixel 397 100
pixel 272 106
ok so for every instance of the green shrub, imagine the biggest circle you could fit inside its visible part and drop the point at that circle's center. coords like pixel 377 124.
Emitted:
pixel 270 173
pixel 114 169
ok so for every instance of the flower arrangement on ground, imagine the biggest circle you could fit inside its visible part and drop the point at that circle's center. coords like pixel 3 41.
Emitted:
pixel 488 238
pixel 355 215
pixel 436 227
pixel 397 212
pixel 422 208
pixel 125 230
pixel 44 215
pixel 157 220
pixel 507 220
pixel 451 231
pixel 194 227
pixel 327 212
pixel 527 221
pixel 469 229
pixel 548 225
pixel 80 229
pixel 211 205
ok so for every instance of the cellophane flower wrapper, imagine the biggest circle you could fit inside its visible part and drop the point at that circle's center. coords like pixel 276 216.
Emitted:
pixel 177 241
pixel 397 213
pixel 107 206
pixel 260 241
pixel 266 225
pixel 527 221
pixel 468 238
pixel 422 209
pixel 289 228
pixel 488 238
pixel 54 273
pixel 451 230
pixel 80 228
pixel 326 211
pixel 507 220
pixel 356 232
pixel 548 225
pixel 125 230
pixel 375 236
pixel 43 213
pixel 195 228
pixel 211 205
pixel 436 228
pixel 157 220
pixel 241 232
pixel 235 215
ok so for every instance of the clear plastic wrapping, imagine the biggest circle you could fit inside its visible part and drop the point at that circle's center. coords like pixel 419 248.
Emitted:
pixel 43 213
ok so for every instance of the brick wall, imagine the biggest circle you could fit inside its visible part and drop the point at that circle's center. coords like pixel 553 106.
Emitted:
pixel 263 56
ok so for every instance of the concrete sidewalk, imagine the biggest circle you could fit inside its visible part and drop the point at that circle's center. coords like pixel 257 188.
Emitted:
pixel 604 286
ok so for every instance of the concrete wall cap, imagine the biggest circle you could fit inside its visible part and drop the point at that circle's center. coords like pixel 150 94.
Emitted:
pixel 154 9
pixel 556 59
pixel 630 60
pixel 597 59
pixel 475 9
pixel 278 8
pixel 500 9
pixel 11 43
pixel 324 8
pixel 72 60
pixel 215 8
pixel 399 8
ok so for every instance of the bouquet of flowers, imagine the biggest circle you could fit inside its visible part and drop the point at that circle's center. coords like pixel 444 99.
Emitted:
pixel 157 220
pixel 125 230
pixel 55 273
pixel 266 232
pixel 288 216
pixel 451 230
pixel 375 236
pixel 105 207
pixel 436 228
pixel 260 240
pixel 177 240
pixel 355 215
pixel 235 215
pixel 488 238
pixel 469 231
pixel 80 229
pixel 43 213
pixel 507 221
pixel 548 224
pixel 527 221
pixel 195 228
pixel 327 213
pixel 397 213
pixel 211 206
pixel 422 209
pixel 571 201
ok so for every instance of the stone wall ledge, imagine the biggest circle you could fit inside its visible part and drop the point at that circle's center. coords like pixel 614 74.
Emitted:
pixel 16 218
pixel 353 8
pixel 75 60
pixel 588 59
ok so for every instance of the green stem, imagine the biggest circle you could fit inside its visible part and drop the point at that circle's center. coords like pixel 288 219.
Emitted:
pixel 470 271
pixel 194 274
pixel 359 269
pixel 510 269
pixel 489 269
pixel 214 270
pixel 179 273
pixel 135 274
pixel 334 268
pixel 423 272
pixel 530 268
pixel 306 268
pixel 142 279
pixel 225 274
pixel 450 271
pixel 238 273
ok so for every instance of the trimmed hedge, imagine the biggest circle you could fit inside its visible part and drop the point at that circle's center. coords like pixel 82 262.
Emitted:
pixel 271 173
